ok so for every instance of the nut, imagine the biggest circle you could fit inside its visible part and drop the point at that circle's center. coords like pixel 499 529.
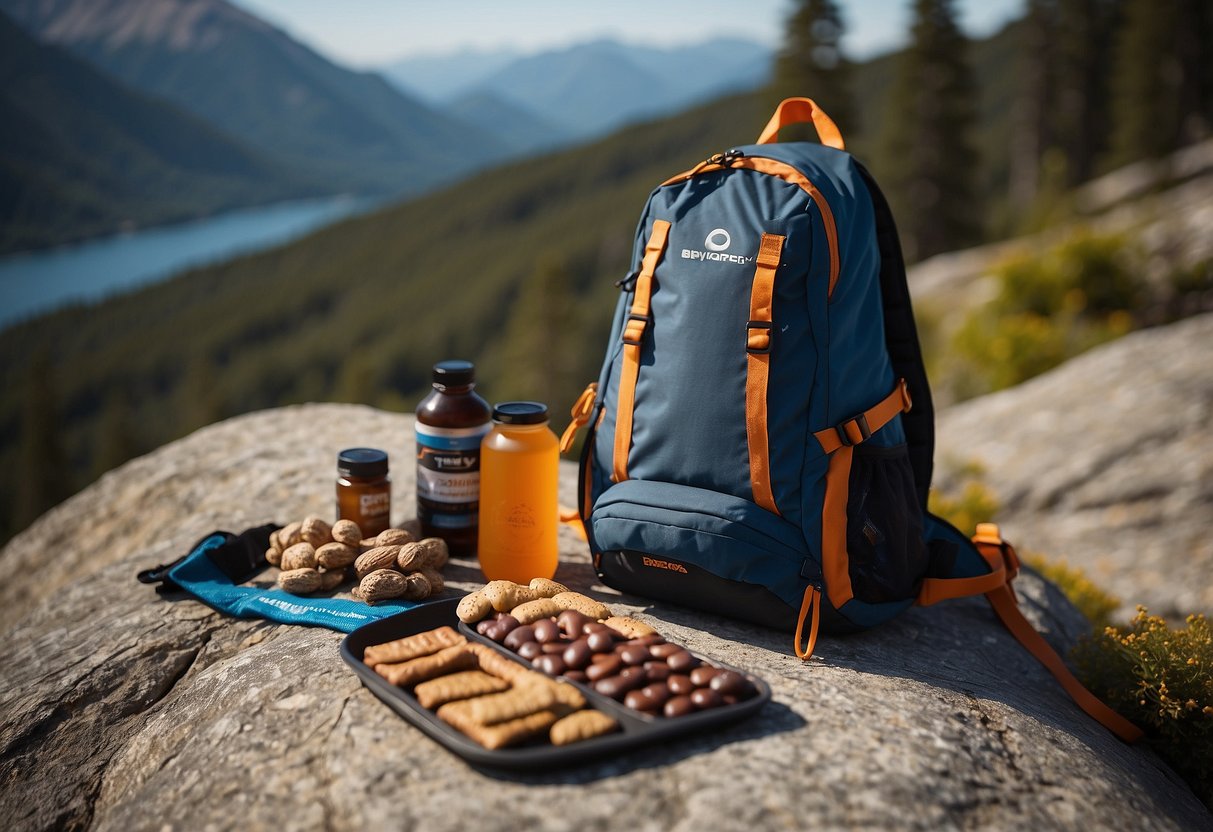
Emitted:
pixel 393 537
pixel 505 595
pixel 366 544
pixel 547 588
pixel 299 556
pixel 274 542
pixel 299 581
pixel 416 587
pixel 289 535
pixel 347 532
pixel 331 579
pixel 316 532
pixel 430 553
pixel 335 555
pixel 473 607
pixel 273 557
pixel 437 584
pixel 381 557
pixel 382 584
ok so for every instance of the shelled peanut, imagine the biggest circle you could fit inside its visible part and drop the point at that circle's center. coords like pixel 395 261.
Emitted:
pixel 315 556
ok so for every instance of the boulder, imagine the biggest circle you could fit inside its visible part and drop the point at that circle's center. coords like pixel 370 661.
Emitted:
pixel 1106 462
pixel 122 709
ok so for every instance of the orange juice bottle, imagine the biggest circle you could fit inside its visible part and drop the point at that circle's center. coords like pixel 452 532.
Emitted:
pixel 519 461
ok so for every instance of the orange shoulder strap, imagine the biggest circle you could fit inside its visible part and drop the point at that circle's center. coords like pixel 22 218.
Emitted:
pixel 633 337
pixel 996 586
pixel 799 110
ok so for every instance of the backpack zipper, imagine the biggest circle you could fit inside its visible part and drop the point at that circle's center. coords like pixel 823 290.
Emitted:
pixel 735 158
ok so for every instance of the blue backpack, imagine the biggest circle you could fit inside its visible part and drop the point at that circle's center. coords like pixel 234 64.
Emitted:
pixel 762 434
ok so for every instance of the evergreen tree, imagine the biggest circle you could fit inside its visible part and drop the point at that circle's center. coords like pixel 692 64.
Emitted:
pixel 44 474
pixel 199 400
pixel 811 64
pixel 1162 94
pixel 927 162
pixel 117 437
pixel 540 346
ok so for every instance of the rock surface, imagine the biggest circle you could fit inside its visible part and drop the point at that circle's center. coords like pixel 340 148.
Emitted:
pixel 1106 462
pixel 122 710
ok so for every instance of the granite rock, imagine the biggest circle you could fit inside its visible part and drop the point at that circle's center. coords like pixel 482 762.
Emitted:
pixel 120 709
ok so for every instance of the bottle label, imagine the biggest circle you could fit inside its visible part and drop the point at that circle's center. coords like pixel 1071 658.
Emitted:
pixel 448 475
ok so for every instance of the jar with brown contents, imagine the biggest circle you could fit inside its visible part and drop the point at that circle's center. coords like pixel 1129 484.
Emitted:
pixel 364 489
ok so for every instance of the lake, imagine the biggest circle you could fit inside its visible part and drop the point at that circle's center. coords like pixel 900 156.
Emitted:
pixel 37 282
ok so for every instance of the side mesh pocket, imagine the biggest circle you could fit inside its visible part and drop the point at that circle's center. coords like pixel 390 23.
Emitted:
pixel 886 552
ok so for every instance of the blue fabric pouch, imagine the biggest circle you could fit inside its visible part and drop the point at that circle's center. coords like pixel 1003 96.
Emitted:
pixel 217 566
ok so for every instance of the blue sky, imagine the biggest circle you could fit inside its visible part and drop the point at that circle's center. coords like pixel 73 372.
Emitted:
pixel 368 33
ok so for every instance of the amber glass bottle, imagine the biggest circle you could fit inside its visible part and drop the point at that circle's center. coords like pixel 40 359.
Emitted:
pixel 451 421
pixel 364 490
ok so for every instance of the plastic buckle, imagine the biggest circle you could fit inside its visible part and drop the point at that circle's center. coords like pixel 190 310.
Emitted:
pixel 861 422
pixel 644 320
pixel 766 326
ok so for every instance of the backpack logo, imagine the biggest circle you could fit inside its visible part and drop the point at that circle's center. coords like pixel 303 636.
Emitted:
pixel 663 564
pixel 718 240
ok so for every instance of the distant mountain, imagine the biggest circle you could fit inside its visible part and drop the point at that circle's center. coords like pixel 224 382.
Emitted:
pixel 592 88
pixel 521 131
pixel 81 155
pixel 254 82
pixel 443 78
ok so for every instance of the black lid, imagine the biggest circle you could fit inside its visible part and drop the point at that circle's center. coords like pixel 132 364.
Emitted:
pixel 362 462
pixel 521 413
pixel 454 373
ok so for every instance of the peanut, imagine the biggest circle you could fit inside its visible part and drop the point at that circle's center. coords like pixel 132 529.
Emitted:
pixel 335 555
pixel 393 537
pixel 316 532
pixel 547 588
pixel 473 607
pixel 299 581
pixel 275 544
pixel 436 581
pixel 347 532
pixel 381 584
pixel 416 587
pixel 331 579
pixel 381 557
pixel 299 556
pixel 273 557
pixel 288 535
pixel 430 553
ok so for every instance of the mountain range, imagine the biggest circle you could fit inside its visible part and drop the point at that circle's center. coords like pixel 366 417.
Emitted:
pixel 590 88
pixel 351 130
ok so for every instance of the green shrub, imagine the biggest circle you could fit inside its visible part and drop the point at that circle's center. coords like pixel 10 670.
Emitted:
pixel 1091 600
pixel 1162 679
pixel 1048 308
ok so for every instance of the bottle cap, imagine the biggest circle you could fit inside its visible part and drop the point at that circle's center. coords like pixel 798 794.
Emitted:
pixel 362 462
pixel 454 373
pixel 520 413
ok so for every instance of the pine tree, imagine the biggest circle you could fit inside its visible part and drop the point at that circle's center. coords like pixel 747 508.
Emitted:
pixel 926 162
pixel 811 64
pixel 1162 87
pixel 540 347
pixel 45 478
pixel 117 437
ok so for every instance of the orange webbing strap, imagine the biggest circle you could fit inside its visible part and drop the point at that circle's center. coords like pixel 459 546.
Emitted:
pixel 633 336
pixel 797 110
pixel 838 442
pixel 581 415
pixel 854 431
pixel 812 600
pixel 570 517
pixel 758 360
pixel 1001 557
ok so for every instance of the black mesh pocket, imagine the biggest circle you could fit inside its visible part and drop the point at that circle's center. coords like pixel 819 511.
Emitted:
pixel 885 549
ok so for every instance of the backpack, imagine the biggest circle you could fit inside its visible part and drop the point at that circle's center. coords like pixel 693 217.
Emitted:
pixel 761 434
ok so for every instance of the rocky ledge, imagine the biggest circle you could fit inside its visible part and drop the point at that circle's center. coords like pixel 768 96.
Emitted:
pixel 120 709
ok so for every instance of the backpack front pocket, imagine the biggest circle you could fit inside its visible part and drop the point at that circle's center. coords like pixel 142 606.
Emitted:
pixel 701 549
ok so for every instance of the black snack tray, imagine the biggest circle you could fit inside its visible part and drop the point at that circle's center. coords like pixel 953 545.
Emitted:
pixel 635 729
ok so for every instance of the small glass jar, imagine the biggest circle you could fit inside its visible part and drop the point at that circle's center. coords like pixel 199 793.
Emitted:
pixel 364 489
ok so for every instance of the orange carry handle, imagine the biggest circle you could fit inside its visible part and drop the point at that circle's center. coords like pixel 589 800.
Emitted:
pixel 799 111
